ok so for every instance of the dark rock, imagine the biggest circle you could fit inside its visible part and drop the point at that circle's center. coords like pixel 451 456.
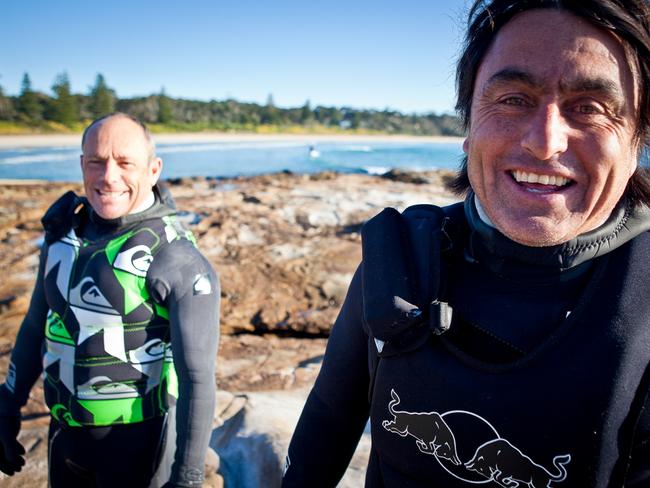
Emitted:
pixel 405 177
pixel 250 199
pixel 5 302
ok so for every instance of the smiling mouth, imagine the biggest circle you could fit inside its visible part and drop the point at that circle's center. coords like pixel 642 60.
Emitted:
pixel 539 182
pixel 110 194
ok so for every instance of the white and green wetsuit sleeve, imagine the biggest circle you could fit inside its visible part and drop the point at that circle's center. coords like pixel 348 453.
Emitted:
pixel 182 280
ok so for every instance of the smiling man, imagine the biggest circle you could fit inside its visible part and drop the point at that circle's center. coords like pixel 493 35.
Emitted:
pixel 119 170
pixel 552 145
pixel 504 340
pixel 123 323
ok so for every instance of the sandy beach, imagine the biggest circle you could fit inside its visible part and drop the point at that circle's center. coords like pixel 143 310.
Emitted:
pixel 68 140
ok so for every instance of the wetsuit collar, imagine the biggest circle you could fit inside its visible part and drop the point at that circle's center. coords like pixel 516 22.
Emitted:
pixel 148 203
pixel 487 243
pixel 162 205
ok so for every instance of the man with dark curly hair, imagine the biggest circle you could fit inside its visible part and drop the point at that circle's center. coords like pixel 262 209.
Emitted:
pixel 504 340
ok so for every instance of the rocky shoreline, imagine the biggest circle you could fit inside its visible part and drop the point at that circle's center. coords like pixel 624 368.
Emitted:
pixel 285 247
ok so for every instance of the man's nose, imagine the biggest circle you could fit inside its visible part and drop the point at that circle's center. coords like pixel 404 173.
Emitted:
pixel 546 134
pixel 111 171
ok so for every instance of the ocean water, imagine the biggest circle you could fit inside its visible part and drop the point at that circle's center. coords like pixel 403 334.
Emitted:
pixel 247 158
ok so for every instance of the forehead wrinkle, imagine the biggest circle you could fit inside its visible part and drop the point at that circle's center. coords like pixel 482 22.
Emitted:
pixel 107 154
pixel 96 155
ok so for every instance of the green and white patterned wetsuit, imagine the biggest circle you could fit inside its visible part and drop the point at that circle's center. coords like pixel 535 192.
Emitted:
pixel 114 302
pixel 108 356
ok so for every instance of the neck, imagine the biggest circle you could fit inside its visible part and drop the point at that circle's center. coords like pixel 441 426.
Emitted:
pixel 481 213
pixel 147 203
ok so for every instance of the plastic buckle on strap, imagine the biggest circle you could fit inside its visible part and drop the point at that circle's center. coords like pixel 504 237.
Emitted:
pixel 440 314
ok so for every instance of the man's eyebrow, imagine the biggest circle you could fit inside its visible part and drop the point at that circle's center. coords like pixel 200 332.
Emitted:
pixel 94 157
pixel 509 75
pixel 101 157
pixel 600 85
pixel 604 86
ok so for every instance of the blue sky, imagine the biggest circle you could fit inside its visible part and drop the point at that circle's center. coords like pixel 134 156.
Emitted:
pixel 379 54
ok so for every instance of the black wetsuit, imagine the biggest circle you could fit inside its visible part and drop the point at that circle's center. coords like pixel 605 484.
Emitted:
pixel 104 325
pixel 540 381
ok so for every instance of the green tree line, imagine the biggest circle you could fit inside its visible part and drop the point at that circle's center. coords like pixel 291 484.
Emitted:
pixel 71 110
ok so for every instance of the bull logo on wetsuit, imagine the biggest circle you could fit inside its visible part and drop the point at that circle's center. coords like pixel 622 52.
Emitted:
pixel 496 460
pixel 504 463
pixel 432 434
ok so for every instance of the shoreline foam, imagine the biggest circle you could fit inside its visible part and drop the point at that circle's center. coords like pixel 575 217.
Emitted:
pixel 70 140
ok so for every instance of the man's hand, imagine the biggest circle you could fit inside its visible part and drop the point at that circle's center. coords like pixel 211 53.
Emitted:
pixel 11 451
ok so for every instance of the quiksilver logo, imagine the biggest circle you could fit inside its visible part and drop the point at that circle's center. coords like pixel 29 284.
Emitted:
pixel 93 296
pixel 103 386
pixel 202 285
pixel 88 296
pixel 135 260
pixel 153 350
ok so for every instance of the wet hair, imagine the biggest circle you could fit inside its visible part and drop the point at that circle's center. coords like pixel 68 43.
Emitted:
pixel 628 20
pixel 147 133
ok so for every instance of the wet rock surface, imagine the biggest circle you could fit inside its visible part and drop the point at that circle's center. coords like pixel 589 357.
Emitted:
pixel 285 247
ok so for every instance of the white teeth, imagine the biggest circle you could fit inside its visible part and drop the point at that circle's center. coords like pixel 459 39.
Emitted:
pixel 523 177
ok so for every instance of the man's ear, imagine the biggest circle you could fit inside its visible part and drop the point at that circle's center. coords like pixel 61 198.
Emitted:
pixel 155 168
pixel 466 145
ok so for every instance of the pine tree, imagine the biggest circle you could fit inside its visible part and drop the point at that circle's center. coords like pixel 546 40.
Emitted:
pixel 102 98
pixel 270 114
pixel 29 108
pixel 65 109
pixel 355 121
pixel 306 115
pixel 164 108
pixel 6 107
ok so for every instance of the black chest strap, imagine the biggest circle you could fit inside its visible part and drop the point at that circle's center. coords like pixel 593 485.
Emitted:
pixel 404 274
pixel 64 214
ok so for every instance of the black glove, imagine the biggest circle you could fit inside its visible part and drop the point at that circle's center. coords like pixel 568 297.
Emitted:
pixel 11 451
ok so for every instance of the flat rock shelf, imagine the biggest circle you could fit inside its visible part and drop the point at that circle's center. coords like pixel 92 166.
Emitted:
pixel 285 247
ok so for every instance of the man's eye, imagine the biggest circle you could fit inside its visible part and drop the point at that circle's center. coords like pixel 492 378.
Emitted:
pixel 514 101
pixel 588 109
